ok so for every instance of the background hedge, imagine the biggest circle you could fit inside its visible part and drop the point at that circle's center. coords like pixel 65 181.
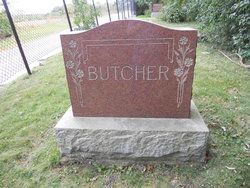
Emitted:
pixel 222 23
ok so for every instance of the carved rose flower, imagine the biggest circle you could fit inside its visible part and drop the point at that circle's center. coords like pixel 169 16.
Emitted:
pixel 70 64
pixel 183 40
pixel 178 72
pixel 79 73
pixel 72 44
pixel 188 62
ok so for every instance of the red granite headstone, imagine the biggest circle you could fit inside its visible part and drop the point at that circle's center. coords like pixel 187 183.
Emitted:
pixel 130 68
pixel 156 7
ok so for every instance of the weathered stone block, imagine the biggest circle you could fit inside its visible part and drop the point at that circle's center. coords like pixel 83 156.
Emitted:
pixel 125 140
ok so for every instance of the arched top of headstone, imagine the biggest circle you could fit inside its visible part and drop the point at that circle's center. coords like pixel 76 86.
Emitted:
pixel 131 29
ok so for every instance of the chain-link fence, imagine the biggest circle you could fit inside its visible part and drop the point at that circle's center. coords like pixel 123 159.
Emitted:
pixel 38 25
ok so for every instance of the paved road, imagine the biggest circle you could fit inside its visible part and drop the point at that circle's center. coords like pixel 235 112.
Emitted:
pixel 11 64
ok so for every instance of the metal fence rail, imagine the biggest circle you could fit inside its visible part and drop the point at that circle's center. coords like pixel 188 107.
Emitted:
pixel 38 29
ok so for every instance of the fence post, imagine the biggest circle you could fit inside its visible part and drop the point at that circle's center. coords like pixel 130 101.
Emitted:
pixel 96 19
pixel 123 10
pixel 117 8
pixel 16 37
pixel 131 8
pixel 134 7
pixel 128 8
pixel 108 10
pixel 67 14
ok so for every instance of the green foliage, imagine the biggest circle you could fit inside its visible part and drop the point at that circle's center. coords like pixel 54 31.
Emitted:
pixel 84 15
pixel 178 3
pixel 58 10
pixel 173 13
pixel 156 1
pixel 141 6
pixel 180 10
pixel 192 8
pixel 147 13
pixel 143 2
pixel 5 29
pixel 223 23
pixel 226 24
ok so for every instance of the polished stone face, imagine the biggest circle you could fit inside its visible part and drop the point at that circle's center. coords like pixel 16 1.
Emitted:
pixel 130 68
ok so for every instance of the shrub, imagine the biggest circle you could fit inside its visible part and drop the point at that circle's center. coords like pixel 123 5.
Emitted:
pixel 58 11
pixel 84 15
pixel 226 24
pixel 147 13
pixel 173 13
pixel 223 23
pixel 5 29
pixel 192 8
pixel 141 6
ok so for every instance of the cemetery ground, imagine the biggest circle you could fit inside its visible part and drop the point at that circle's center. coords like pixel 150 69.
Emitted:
pixel 31 106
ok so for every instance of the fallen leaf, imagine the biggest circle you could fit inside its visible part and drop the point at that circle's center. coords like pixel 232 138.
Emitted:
pixel 149 168
pixel 235 135
pixel 214 145
pixel 247 145
pixel 224 129
pixel 233 91
pixel 230 168
pixel 93 179
pixel 205 53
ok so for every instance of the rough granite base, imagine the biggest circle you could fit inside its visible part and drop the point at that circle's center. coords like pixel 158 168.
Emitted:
pixel 129 140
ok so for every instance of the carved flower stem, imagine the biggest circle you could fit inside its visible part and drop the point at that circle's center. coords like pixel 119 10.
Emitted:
pixel 180 91
pixel 184 64
pixel 178 95
pixel 79 93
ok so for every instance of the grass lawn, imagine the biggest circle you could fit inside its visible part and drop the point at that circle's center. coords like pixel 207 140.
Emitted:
pixel 31 106
pixel 30 33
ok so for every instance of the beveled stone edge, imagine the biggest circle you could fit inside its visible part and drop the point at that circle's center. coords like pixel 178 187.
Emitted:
pixel 194 124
